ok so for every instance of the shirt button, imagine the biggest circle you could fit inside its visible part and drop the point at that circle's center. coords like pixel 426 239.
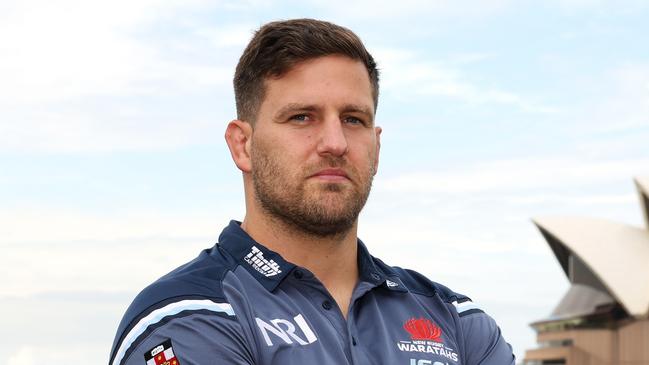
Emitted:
pixel 353 340
pixel 298 274
pixel 326 305
pixel 375 276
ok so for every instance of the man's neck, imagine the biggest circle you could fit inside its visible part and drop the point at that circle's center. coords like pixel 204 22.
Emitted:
pixel 333 260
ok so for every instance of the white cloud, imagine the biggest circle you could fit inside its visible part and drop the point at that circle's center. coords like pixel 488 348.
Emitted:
pixel 233 36
pixel 94 265
pixel 407 76
pixel 412 10
pixel 66 68
pixel 600 6
pixel 512 175
pixel 53 51
pixel 57 224
pixel 469 58
pixel 626 106
pixel 69 355
pixel 451 234
pixel 121 128
pixel 598 200
pixel 614 122
pixel 25 355
pixel 77 250
pixel 614 116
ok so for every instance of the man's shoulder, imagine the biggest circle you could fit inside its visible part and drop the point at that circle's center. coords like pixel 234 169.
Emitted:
pixel 417 283
pixel 199 278
pixel 482 338
pixel 194 287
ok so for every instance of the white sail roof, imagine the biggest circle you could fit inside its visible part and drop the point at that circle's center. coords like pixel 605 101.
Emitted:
pixel 617 254
pixel 642 183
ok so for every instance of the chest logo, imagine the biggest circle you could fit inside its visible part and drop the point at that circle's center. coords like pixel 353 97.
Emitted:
pixel 426 338
pixel 286 330
pixel 423 329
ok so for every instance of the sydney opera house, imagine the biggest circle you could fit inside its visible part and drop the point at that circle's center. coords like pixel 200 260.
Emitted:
pixel 603 319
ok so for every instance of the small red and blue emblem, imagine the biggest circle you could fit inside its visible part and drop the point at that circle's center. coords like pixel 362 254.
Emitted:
pixel 162 354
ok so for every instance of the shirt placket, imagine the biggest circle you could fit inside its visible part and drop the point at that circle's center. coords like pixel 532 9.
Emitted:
pixel 346 328
pixel 357 349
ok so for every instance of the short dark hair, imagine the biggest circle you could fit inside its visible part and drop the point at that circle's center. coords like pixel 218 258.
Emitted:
pixel 278 46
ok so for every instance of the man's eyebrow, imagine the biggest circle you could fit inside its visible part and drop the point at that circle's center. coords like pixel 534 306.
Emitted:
pixel 293 107
pixel 355 108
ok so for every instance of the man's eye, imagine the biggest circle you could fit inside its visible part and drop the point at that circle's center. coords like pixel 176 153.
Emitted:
pixel 301 117
pixel 353 120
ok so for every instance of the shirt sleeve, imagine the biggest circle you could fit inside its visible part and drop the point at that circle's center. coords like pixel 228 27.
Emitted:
pixel 483 341
pixel 195 339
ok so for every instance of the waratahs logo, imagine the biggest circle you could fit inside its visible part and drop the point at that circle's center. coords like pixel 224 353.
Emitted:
pixel 426 338
pixel 423 329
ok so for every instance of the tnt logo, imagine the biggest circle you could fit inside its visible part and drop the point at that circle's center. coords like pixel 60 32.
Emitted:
pixel 285 330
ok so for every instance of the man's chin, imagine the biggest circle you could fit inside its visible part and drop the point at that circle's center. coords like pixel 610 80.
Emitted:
pixel 327 226
pixel 330 187
pixel 334 211
pixel 336 202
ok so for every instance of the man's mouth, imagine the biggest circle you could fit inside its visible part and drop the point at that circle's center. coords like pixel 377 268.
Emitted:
pixel 331 175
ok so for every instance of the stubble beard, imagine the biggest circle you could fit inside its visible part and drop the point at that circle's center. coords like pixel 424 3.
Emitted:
pixel 315 209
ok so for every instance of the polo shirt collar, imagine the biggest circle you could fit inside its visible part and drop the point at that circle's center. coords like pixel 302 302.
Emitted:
pixel 270 269
pixel 374 271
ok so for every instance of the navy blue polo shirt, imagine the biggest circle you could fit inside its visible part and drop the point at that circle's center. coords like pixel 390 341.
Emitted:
pixel 241 303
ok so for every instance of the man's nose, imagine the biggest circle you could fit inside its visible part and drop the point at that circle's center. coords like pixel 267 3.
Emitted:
pixel 332 137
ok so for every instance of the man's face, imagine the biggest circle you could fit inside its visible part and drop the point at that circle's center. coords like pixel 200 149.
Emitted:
pixel 314 148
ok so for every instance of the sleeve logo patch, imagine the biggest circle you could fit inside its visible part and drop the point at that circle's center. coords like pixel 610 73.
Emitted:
pixel 162 354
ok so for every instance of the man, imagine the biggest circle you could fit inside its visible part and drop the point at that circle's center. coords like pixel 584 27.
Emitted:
pixel 292 284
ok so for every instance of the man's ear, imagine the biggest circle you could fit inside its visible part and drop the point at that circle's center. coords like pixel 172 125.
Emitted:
pixel 238 135
pixel 378 131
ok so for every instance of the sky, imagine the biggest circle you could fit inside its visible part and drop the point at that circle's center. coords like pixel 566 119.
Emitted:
pixel 114 170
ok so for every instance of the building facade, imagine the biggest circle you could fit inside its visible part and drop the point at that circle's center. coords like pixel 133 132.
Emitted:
pixel 603 319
